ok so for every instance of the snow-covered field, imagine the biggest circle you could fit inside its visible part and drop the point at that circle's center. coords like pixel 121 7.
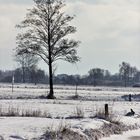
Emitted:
pixel 63 110
pixel 129 135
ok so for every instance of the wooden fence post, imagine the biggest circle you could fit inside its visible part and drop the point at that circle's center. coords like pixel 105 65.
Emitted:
pixel 106 111
pixel 13 80
pixel 130 97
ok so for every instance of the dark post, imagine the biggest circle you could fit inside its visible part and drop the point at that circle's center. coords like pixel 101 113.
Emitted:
pixel 106 111
pixel 130 97
pixel 76 93
pixel 12 83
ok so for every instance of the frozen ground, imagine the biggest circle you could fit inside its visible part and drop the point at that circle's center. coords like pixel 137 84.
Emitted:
pixel 91 100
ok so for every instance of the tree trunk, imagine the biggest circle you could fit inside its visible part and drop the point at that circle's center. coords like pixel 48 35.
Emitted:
pixel 125 82
pixel 51 94
pixel 94 82
pixel 23 74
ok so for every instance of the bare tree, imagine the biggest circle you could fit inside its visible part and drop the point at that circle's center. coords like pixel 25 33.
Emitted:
pixel 27 63
pixel 45 35
pixel 95 75
pixel 125 72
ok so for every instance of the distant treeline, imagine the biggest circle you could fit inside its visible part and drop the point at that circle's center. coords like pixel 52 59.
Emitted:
pixel 28 76
pixel 126 76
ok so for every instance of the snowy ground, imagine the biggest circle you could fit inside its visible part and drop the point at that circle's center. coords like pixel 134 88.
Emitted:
pixel 130 135
pixel 27 128
pixel 91 100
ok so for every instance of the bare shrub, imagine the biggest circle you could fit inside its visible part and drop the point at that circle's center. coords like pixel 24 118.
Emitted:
pixel 31 113
pixel 47 114
pixel 63 126
pixel 62 132
pixel 79 112
pixel 54 133
pixel 12 111
pixel 111 116
pixel 16 112
pixel 1 111
pixel 100 114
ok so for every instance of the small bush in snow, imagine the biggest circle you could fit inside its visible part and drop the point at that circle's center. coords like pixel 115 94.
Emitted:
pixel 55 133
pixel 11 111
pixel 79 112
pixel 63 132
pixel 31 113
pixel 111 117
pixel 16 112
pixel 46 114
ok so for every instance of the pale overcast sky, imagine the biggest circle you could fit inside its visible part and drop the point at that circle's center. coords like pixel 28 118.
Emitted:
pixel 109 31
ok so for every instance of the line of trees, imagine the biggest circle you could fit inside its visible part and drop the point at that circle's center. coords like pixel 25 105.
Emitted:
pixel 127 76
pixel 29 76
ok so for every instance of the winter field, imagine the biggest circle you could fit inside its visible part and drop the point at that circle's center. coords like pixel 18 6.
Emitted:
pixel 26 115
